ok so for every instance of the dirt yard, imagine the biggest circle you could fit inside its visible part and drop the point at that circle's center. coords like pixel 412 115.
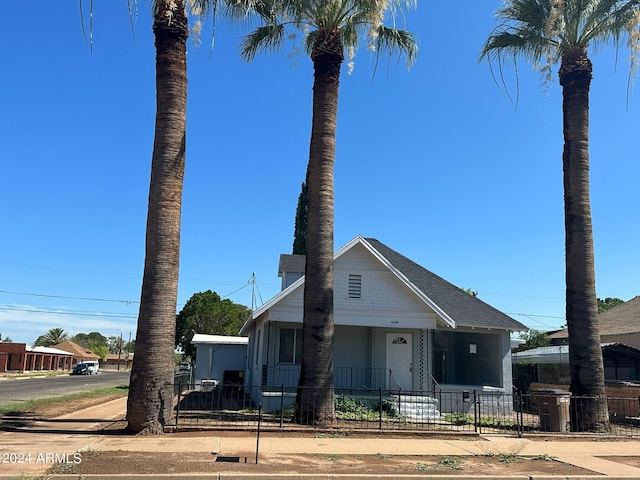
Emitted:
pixel 144 463
pixel 126 462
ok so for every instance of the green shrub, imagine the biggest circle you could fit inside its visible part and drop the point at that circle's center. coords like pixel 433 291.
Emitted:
pixel 458 418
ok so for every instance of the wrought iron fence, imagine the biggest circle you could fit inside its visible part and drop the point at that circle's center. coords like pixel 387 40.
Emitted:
pixel 240 406
pixel 343 377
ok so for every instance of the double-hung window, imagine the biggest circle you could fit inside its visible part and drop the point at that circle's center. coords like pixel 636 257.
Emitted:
pixel 290 346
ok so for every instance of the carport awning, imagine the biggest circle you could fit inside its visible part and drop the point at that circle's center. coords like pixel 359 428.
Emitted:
pixel 614 355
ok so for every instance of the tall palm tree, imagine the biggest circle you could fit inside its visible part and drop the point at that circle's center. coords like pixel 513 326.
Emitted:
pixel 53 336
pixel 549 31
pixel 331 28
pixel 150 391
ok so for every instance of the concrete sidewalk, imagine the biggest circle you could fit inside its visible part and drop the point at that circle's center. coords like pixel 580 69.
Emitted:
pixel 51 442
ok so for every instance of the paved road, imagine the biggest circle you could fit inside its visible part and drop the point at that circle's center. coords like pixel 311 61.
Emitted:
pixel 20 389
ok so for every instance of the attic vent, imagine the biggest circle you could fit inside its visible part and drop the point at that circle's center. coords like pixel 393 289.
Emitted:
pixel 355 286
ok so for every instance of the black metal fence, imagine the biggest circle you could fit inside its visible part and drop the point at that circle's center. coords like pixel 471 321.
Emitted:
pixel 241 406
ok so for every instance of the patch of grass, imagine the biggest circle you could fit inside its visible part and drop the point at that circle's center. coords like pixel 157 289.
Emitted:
pixel 451 463
pixel 422 467
pixel 383 455
pixel 33 405
pixel 333 456
pixel 64 468
pixel 545 457
pixel 458 418
pixel 507 458
pixel 509 454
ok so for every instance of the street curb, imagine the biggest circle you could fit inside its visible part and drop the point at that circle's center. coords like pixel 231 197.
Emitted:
pixel 248 476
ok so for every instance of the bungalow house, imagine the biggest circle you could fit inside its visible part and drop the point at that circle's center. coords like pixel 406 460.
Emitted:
pixel 80 354
pixel 620 324
pixel 398 327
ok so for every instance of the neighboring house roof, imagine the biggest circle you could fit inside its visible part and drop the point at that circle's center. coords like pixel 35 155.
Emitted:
pixel 455 306
pixel 47 350
pixel 76 350
pixel 623 319
pixel 200 338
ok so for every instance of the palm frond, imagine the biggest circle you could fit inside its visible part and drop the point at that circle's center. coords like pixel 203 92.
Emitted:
pixel 391 40
pixel 310 41
pixel 267 37
pixel 508 43
pixel 84 32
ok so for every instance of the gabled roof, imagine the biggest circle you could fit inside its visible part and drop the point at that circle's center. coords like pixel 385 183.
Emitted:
pixel 464 309
pixel 623 319
pixel 452 304
pixel 76 350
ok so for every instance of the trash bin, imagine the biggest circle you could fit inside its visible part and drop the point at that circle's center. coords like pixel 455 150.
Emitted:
pixel 553 405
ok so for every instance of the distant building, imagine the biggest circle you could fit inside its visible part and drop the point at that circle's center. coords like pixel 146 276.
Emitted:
pixel 620 324
pixel 20 357
pixel 80 354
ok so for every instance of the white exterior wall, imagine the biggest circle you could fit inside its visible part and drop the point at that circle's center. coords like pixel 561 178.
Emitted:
pixel 385 300
pixel 387 305
pixel 213 360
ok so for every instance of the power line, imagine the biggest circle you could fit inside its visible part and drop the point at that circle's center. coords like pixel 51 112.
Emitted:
pixel 532 315
pixel 129 302
pixel 77 313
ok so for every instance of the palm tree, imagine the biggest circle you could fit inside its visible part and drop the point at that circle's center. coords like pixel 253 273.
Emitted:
pixel 53 336
pixel 150 398
pixel 549 31
pixel 331 29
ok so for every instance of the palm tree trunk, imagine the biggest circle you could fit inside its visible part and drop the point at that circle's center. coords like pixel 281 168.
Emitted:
pixel 315 397
pixel 150 398
pixel 585 353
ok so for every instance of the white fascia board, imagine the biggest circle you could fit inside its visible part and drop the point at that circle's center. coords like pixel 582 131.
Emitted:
pixel 419 293
pixel 202 338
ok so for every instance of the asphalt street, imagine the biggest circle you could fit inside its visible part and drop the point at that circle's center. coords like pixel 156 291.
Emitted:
pixel 18 389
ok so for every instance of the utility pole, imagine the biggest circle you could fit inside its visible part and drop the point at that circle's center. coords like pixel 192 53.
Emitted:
pixel 119 349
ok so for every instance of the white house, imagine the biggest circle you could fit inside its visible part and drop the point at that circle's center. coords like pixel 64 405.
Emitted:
pixel 398 326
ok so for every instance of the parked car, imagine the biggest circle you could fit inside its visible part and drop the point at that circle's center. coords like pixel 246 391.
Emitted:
pixel 88 367
pixel 184 367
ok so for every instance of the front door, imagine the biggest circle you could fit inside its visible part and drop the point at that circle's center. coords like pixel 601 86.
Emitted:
pixel 399 361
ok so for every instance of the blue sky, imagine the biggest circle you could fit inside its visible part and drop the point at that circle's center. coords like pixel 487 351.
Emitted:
pixel 435 162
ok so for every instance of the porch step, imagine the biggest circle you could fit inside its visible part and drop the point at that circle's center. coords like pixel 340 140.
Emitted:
pixel 417 407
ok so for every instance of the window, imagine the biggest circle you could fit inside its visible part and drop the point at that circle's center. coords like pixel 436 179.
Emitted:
pixel 290 346
pixel 467 358
pixel 355 286
pixel 257 349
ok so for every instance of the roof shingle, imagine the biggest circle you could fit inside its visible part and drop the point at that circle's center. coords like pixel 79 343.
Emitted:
pixel 464 309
